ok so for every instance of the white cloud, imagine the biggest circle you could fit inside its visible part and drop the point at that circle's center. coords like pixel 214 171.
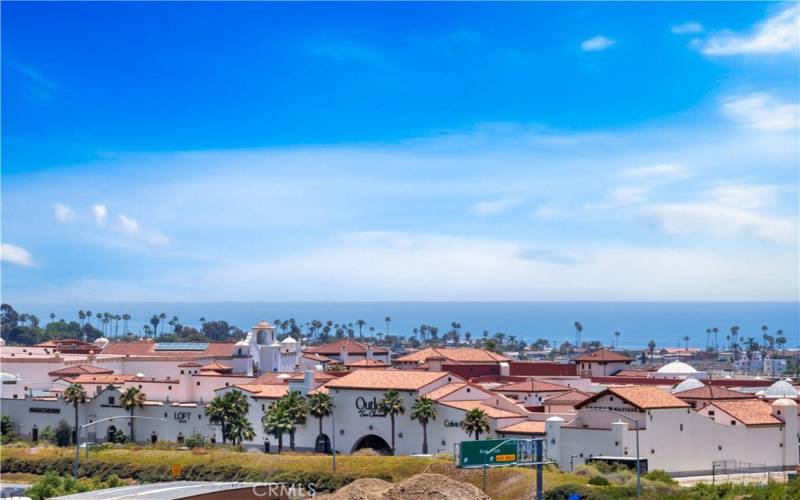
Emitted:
pixel 747 196
pixel 130 226
pixel 63 213
pixel 16 255
pixel 778 34
pixel 687 28
pixel 597 43
pixel 658 173
pixel 546 212
pixel 761 111
pixel 722 221
pixel 100 214
pixel 494 207
pixel 628 195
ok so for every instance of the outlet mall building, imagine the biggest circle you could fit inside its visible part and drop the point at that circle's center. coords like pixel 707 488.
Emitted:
pixel 680 435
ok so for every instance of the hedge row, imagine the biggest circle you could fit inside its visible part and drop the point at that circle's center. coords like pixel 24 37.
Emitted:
pixel 322 481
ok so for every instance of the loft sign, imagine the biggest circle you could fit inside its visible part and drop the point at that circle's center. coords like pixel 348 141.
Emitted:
pixel 182 416
pixel 369 408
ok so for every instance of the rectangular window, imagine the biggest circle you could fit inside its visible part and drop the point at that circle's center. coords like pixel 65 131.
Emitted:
pixel 111 400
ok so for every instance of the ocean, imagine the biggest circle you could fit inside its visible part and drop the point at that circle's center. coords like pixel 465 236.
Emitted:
pixel 638 322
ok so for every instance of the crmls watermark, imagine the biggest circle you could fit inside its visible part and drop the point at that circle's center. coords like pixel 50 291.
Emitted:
pixel 283 490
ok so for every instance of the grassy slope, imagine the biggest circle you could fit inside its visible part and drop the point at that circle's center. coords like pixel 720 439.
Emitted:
pixel 511 483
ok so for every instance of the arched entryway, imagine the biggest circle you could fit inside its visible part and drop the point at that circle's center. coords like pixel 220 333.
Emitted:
pixel 377 443
pixel 110 433
pixel 322 444
pixel 154 437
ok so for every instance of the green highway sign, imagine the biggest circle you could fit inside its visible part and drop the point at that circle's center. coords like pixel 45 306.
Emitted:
pixel 498 452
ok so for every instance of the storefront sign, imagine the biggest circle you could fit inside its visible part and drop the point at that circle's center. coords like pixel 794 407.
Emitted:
pixel 44 410
pixel 182 416
pixel 369 408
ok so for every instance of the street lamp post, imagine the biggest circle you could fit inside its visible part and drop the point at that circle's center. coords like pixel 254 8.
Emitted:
pixel 638 458
pixel 84 426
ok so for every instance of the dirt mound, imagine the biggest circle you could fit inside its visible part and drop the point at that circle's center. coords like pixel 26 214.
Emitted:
pixel 362 489
pixel 433 487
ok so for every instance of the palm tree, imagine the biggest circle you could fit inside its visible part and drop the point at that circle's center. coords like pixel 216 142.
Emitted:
pixel 651 346
pixel 81 317
pixel 175 321
pixel 475 422
pixel 388 320
pixel 154 320
pixel 715 331
pixel 240 429
pixel 708 337
pixel 686 340
pixel 392 405
pixel 578 330
pixel 75 394
pixel 296 408
pixel 320 405
pixel 52 316
pixel 616 340
pixel 277 423
pixel 131 399
pixel 734 334
pixel 360 324
pixel 424 411
pixel 125 318
pixel 226 409
pixel 163 318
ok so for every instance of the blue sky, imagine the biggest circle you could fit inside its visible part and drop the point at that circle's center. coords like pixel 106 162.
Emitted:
pixel 520 151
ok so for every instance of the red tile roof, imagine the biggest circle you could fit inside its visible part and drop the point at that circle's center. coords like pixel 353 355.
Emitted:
pixel 321 358
pixel 216 367
pixel 101 379
pixel 602 355
pixel 531 385
pixel 528 427
pixel 491 411
pixel 568 398
pixel 643 397
pixel 445 390
pixel 713 392
pixel 147 348
pixel 75 370
pixel 353 347
pixel 631 373
pixel 453 354
pixel 318 377
pixel 400 380
pixel 368 363
pixel 749 412
pixel 266 391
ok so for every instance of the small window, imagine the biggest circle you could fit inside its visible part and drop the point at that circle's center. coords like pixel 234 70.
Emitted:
pixel 652 450
pixel 169 387
pixel 198 383
pixel 611 398
pixel 111 400
pixel 181 372
pixel 719 447
pixel 165 415
pixel 681 427
pixel 140 386
pixel 733 422
pixel 710 413
pixel 199 416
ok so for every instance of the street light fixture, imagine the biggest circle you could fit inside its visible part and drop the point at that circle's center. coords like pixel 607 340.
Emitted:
pixel 85 426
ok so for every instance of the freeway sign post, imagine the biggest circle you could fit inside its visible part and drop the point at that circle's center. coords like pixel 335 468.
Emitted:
pixel 503 453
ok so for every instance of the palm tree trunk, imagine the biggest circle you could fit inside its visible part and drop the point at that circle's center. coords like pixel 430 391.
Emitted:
pixel 77 448
pixel 392 434
pixel 280 443
pixel 320 431
pixel 132 419
pixel 424 439
pixel 291 439
pixel 477 436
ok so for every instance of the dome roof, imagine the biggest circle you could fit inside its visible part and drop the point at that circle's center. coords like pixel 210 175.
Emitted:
pixel 784 402
pixel 687 385
pixel 289 340
pixel 554 418
pixel 676 367
pixel 263 324
pixel 7 377
pixel 100 341
pixel 781 389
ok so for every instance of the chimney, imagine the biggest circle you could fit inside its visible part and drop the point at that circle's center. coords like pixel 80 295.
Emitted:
pixel 308 381
pixel 343 353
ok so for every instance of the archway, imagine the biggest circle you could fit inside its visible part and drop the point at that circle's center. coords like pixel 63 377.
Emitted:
pixel 110 433
pixel 322 444
pixel 154 437
pixel 377 443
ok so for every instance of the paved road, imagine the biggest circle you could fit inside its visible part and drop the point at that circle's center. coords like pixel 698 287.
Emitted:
pixel 164 491
pixel 11 490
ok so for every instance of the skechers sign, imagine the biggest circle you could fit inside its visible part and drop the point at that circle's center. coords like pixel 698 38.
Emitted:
pixel 369 408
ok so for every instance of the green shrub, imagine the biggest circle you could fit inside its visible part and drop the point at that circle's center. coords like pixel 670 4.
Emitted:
pixel 63 434
pixel 196 441
pixel 599 481
pixel 47 435
pixel 659 475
